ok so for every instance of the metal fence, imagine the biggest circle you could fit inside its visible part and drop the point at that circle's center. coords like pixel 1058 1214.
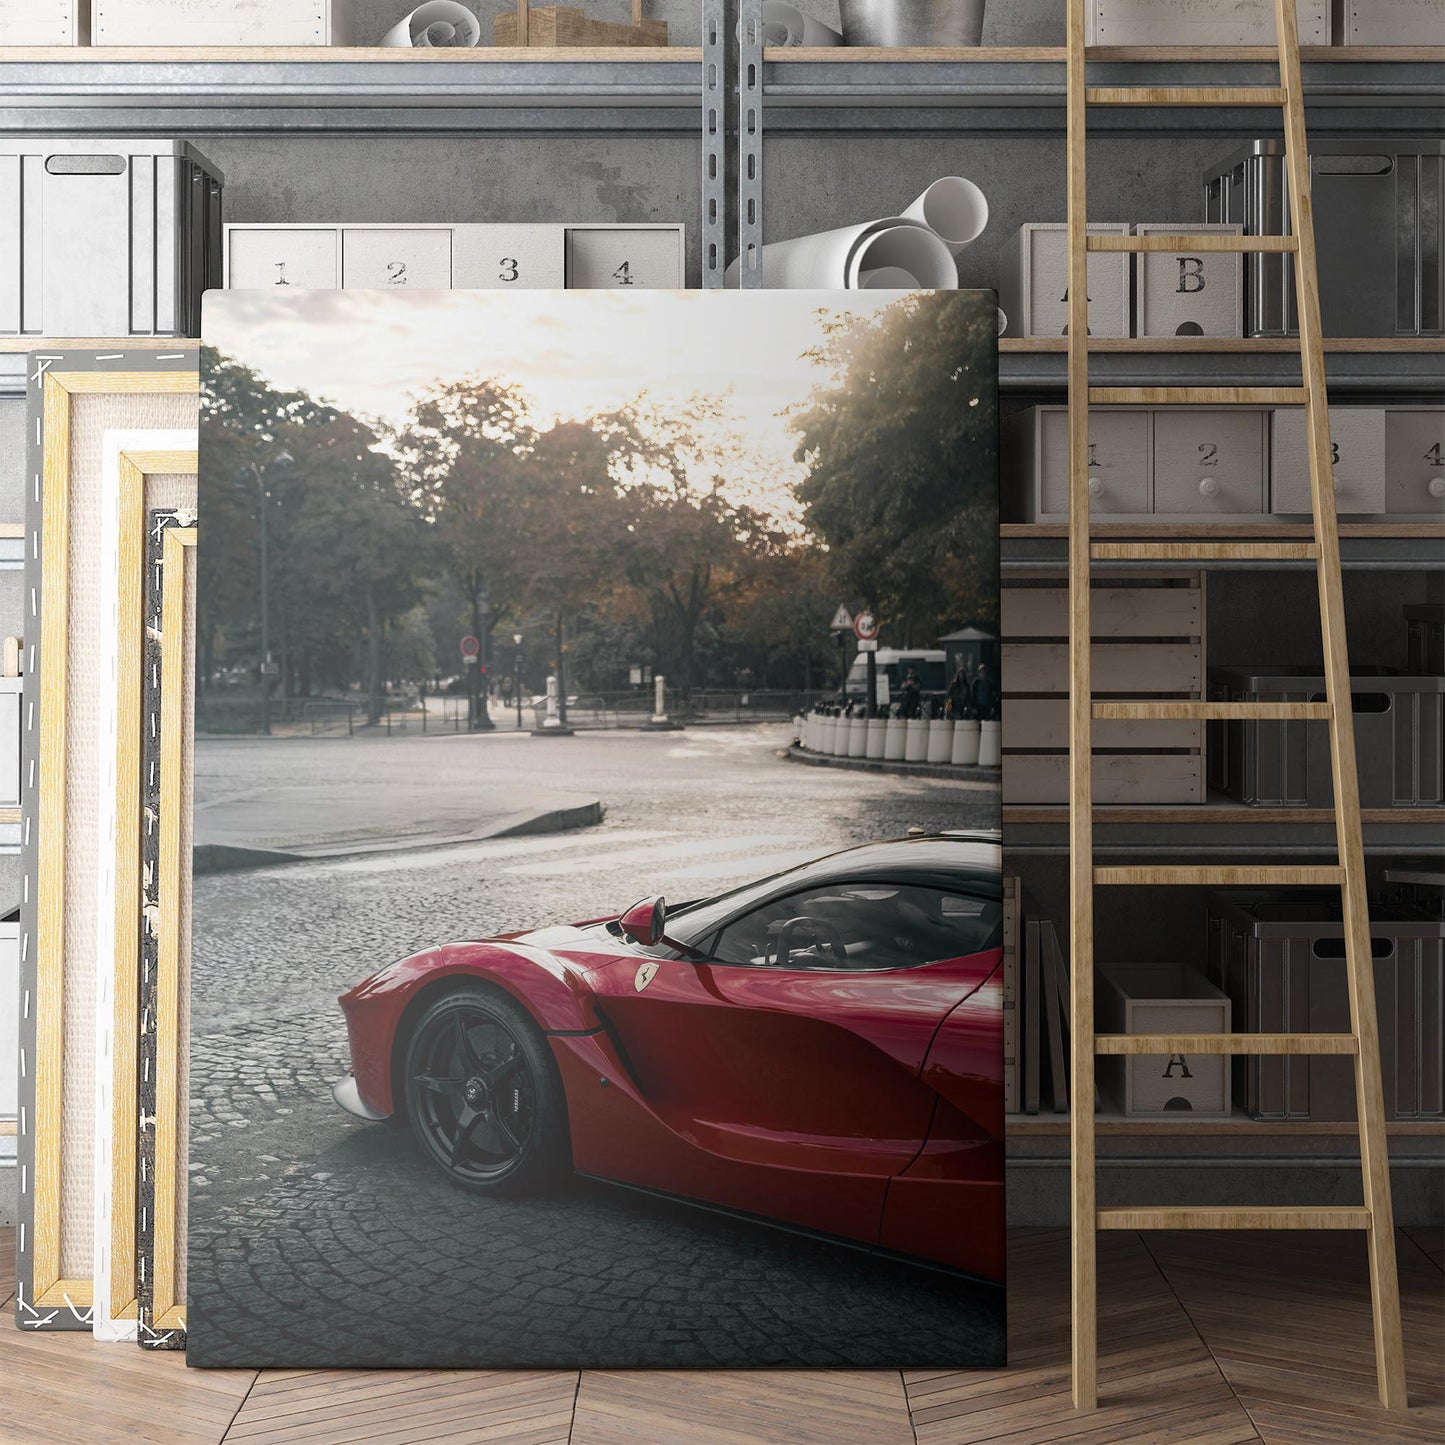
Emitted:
pixel 713 706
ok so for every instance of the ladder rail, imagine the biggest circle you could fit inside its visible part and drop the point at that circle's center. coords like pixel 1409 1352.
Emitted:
pixel 1083 1214
pixel 1359 968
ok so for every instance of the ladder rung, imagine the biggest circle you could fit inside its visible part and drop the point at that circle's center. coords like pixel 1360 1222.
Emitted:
pixel 1198 395
pixel 1205 551
pixel 1223 1217
pixel 1163 711
pixel 1267 1044
pixel 1226 876
pixel 1188 241
pixel 1185 95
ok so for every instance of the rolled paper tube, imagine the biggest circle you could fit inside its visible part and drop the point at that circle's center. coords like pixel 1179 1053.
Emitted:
pixel 835 260
pixel 904 245
pixel 888 278
pixel 1002 321
pixel 786 25
pixel 437 25
pixel 954 209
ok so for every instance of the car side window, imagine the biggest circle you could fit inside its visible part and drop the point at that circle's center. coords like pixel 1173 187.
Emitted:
pixel 861 927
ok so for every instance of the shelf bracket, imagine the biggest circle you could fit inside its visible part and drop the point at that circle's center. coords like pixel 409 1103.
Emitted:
pixel 714 143
pixel 750 144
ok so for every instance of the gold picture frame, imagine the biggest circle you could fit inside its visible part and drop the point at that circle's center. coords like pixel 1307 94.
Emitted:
pixel 54 1289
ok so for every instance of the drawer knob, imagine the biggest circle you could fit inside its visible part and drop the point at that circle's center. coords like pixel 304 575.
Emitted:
pixel 1208 487
pixel 1096 486
pixel 1436 486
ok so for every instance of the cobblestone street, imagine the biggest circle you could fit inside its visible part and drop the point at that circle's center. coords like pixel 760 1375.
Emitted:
pixel 316 1238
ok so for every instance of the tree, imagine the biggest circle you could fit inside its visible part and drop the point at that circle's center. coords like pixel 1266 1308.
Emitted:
pixel 902 458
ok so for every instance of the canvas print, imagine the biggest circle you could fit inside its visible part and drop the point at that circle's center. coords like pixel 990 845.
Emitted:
pixel 556 997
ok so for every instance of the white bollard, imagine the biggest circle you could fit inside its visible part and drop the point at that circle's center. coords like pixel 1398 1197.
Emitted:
pixel 965 744
pixel 940 740
pixel 990 745
pixel 877 736
pixel 800 730
pixel 895 739
pixel 825 734
pixel 916 748
pixel 857 737
pixel 659 699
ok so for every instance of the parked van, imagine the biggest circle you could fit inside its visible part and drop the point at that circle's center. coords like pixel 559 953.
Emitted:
pixel 894 665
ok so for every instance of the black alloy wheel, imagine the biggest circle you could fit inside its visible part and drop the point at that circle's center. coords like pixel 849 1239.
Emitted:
pixel 482 1094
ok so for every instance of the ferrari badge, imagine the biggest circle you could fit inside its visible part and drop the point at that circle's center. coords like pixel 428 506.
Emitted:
pixel 645 975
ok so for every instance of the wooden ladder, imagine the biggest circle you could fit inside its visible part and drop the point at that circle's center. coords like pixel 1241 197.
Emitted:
pixel 1348 874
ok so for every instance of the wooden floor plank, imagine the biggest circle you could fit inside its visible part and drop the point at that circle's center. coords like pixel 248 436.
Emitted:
pixel 1287 1318
pixel 1232 1339
pixel 1430 1238
pixel 772 1407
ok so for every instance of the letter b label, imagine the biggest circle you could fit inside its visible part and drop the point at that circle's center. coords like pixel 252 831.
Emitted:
pixel 1191 275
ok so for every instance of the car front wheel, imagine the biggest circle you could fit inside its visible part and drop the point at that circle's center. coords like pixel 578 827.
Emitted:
pixel 482 1093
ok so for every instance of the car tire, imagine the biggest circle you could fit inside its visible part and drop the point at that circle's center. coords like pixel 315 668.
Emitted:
pixel 483 1097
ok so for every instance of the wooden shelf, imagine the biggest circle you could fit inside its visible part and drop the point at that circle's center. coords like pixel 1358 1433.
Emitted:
pixel 1219 812
pixel 1225 345
pixel 1022 1126
pixel 1263 530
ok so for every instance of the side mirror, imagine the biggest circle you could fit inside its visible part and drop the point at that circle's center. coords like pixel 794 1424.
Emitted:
pixel 645 921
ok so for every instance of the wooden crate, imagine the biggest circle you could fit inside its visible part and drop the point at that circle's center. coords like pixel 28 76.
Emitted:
pixel 551 27
pixel 1389 22
pixel 220 22
pixel 43 22
pixel 1148 637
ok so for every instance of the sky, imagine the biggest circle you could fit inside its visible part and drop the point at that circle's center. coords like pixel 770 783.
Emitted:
pixel 575 353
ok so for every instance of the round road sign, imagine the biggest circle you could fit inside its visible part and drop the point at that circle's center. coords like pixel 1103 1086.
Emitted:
pixel 470 647
pixel 865 627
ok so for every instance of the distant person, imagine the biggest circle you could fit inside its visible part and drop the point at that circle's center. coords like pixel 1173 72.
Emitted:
pixel 985 694
pixel 912 696
pixel 960 696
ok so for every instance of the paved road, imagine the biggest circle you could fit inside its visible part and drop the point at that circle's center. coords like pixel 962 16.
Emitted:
pixel 316 1238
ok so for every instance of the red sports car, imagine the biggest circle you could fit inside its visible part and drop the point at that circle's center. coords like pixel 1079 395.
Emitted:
pixel 821 1049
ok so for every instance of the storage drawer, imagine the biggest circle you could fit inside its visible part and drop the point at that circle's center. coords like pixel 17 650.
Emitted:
pixel 301 256
pixel 499 257
pixel 1036 461
pixel 1389 22
pixel 1034 282
pixel 10 698
pixel 1113 612
pixel 234 22
pixel 42 22
pixel 1132 669
pixel 381 257
pixel 1043 722
pixel 1189 293
pixel 1414 459
pixel 1163 998
pixel 1208 462
pixel 9 1017
pixel 1357 439
pixel 1200 22
pixel 600 258
pixel 1162 779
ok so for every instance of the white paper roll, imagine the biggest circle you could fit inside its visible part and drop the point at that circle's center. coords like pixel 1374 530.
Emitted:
pixel 954 208
pixel 1002 321
pixel 888 278
pixel 786 25
pixel 439 24
pixel 836 260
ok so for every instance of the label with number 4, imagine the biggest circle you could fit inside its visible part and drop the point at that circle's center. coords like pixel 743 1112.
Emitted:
pixel 604 259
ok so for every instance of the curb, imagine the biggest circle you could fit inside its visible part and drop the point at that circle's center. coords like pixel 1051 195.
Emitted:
pixel 228 858
pixel 978 777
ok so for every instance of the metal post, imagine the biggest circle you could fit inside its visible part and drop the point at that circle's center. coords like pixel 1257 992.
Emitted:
pixel 517 676
pixel 715 87
pixel 265 604
pixel 750 143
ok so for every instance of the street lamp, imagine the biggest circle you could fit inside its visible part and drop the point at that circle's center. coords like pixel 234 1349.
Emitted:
pixel 517 675
pixel 258 470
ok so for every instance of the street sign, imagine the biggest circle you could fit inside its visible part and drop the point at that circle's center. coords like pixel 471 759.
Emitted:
pixel 865 628
pixel 867 644
pixel 841 622
pixel 470 647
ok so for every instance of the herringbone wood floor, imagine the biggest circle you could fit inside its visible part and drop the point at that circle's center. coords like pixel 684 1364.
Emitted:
pixel 1204 1340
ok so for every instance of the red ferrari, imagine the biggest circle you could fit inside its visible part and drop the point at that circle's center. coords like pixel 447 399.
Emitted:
pixel 822 1049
